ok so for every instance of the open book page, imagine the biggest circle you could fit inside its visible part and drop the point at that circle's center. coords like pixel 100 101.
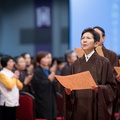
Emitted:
pixel 83 80
pixel 99 51
pixel 117 70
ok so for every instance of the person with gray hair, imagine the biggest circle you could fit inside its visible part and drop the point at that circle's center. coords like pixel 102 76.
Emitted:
pixel 70 57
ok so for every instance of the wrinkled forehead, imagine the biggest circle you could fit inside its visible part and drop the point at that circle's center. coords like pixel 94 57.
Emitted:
pixel 88 34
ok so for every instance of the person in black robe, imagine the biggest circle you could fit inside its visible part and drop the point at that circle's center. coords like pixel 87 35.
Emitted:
pixel 95 103
pixel 44 92
pixel 113 58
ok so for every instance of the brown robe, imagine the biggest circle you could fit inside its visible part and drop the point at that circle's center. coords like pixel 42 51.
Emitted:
pixel 114 62
pixel 89 104
pixel 66 112
pixel 111 56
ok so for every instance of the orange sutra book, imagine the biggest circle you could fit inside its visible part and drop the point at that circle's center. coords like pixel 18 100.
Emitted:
pixel 99 51
pixel 79 52
pixel 117 70
pixel 83 80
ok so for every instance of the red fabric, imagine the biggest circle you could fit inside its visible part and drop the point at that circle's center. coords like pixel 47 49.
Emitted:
pixel 25 110
pixel 117 115
pixel 60 105
pixel 59 118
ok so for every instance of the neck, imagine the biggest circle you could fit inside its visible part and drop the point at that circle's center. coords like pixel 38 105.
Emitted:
pixel 45 66
pixel 88 52
pixel 8 68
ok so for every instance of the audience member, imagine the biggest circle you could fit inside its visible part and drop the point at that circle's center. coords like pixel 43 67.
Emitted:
pixel 70 57
pixel 24 76
pixel 9 89
pixel 44 91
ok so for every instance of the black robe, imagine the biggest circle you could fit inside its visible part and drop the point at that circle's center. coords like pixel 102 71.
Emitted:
pixel 45 95
pixel 89 104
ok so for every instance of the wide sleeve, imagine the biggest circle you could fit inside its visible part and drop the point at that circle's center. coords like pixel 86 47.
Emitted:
pixel 106 91
pixel 114 59
pixel 8 83
pixel 109 85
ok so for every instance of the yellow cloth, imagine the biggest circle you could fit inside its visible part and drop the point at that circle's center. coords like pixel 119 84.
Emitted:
pixel 9 83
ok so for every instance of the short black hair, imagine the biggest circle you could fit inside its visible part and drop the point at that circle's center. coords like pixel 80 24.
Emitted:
pixel 17 58
pixel 60 60
pixel 101 29
pixel 68 54
pixel 96 36
pixel 5 59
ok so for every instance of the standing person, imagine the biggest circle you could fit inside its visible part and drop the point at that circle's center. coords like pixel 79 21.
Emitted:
pixel 45 95
pixel 9 89
pixel 93 104
pixel 24 76
pixel 27 58
pixel 107 53
pixel 70 57
pixel 60 65
pixel 113 58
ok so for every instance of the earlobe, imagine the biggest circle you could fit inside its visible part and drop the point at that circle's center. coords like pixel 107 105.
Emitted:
pixel 96 44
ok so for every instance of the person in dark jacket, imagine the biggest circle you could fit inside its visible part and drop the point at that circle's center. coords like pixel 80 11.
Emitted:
pixel 44 92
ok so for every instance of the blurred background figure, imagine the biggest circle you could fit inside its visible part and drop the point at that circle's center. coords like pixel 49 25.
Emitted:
pixel 65 65
pixel 9 89
pixel 59 63
pixel 70 57
pixel 27 58
pixel 44 91
pixel 25 76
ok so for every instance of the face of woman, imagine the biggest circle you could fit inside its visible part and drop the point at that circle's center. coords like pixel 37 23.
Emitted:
pixel 10 64
pixel 45 61
pixel 27 59
pixel 21 65
pixel 87 42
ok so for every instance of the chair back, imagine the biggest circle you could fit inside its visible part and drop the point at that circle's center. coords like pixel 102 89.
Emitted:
pixel 25 111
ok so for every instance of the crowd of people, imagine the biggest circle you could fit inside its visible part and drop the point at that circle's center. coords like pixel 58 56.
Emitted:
pixel 36 75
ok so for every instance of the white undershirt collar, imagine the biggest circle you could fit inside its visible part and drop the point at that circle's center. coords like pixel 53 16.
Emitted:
pixel 87 57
